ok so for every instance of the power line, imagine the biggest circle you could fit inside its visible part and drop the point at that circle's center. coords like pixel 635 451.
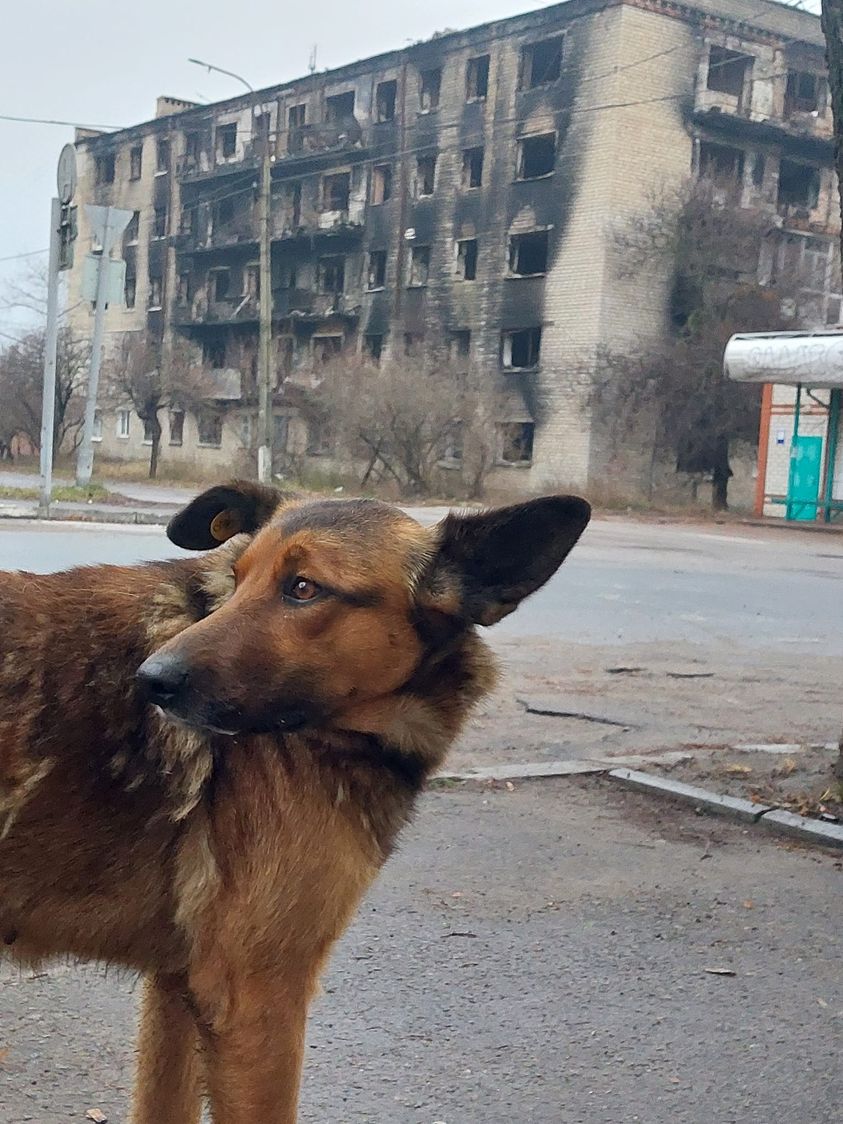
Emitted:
pixel 65 124
pixel 28 254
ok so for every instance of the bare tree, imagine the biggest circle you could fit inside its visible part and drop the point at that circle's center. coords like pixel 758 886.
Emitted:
pixel 409 421
pixel 712 249
pixel 151 379
pixel 21 382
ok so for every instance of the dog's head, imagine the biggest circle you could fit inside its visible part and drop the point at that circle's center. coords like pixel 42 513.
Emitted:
pixel 338 604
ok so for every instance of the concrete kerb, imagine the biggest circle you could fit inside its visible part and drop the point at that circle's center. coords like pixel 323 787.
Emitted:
pixel 122 516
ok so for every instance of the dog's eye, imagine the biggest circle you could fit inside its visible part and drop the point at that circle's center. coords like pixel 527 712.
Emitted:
pixel 301 589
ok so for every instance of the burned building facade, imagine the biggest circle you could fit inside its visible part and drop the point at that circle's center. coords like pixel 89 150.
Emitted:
pixel 462 193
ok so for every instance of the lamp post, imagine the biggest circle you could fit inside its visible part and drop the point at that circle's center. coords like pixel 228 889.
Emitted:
pixel 265 380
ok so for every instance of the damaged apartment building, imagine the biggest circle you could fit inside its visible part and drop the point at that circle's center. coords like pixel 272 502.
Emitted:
pixel 461 190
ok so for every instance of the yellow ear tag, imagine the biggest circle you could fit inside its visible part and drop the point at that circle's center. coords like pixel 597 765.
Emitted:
pixel 224 525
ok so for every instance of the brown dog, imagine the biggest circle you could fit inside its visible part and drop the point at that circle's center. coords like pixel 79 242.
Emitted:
pixel 307 680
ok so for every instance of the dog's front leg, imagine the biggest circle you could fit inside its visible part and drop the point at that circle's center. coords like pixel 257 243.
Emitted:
pixel 167 1086
pixel 254 1047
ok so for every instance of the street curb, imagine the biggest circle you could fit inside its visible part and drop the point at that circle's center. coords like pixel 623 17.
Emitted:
pixel 536 770
pixel 98 515
pixel 800 827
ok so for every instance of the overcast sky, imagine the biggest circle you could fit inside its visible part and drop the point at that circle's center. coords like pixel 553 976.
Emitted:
pixel 101 63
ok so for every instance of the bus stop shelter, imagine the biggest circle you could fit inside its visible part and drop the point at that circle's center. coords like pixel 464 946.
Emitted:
pixel 800 455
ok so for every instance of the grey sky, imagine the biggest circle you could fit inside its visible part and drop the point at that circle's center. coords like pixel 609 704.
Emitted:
pixel 103 63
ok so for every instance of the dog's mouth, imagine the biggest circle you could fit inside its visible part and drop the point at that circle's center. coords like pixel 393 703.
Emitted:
pixel 232 723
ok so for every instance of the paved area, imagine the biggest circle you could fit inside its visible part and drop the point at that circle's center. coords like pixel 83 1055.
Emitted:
pixel 538 955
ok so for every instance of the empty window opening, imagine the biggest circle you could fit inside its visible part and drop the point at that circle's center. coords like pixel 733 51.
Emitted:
pixel 720 163
pixel 162 156
pixel 430 87
pixel 226 141
pixel 225 212
pixel 802 94
pixel 104 168
pixel 339 107
pixel 130 290
pixel 135 162
pixel 467 259
pixel 459 347
pixel 425 176
pixel 187 220
pixel 520 349
pixel 472 167
pixel 332 274
pixel 209 425
pixel 385 101
pixel 156 289
pixel 758 167
pixel 528 253
pixel 541 63
pixel 419 265
pixel 536 156
pixel 336 191
pixel 159 229
pixel 326 348
pixel 133 229
pixel 213 353
pixel 377 269
pixel 381 183
pixel 191 147
pixel 799 185
pixel 176 427
pixel 413 343
pixel 477 78
pixel 516 442
pixel 220 284
pixel 726 71
pixel 295 205
pixel 296 116
pixel 373 346
pixel 183 290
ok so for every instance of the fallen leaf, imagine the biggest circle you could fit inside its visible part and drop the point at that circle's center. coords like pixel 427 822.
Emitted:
pixel 748 904
pixel 4 1053
pixel 97 1115
pixel 510 787
pixel 822 1002
pixel 738 770
pixel 720 971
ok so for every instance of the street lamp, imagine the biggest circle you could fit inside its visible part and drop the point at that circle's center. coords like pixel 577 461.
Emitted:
pixel 265 380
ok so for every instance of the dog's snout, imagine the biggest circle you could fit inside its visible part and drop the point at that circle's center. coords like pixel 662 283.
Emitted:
pixel 163 677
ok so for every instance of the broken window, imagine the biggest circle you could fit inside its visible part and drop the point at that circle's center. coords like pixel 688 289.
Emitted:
pixel 209 425
pixel 225 212
pixel 135 162
pixel 159 229
pixel 326 348
pixel 104 168
pixel 516 442
pixel 477 78
pixel 332 274
pixel 520 349
pixel 472 167
pixel 467 259
pixel 536 156
pixel 183 293
pixel 296 116
pixel 381 183
pixel 377 269
pixel 541 63
pixel 187 220
pixel 385 100
pixel 726 71
pixel 336 191
pixel 132 229
pixel 294 196
pixel 373 346
pixel 459 347
pixel 191 148
pixel 419 265
pixel 220 284
pixel 528 253
pixel 155 292
pixel 130 290
pixel 720 164
pixel 425 176
pixel 162 156
pixel 252 281
pixel 413 342
pixel 758 167
pixel 802 94
pixel 430 86
pixel 176 427
pixel 339 107
pixel 799 185
pixel 213 353
pixel 226 141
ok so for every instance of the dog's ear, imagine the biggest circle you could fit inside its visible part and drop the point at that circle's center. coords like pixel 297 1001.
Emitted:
pixel 221 512
pixel 486 564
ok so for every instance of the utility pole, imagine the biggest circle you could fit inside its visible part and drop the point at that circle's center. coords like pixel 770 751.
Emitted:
pixel 48 398
pixel 266 383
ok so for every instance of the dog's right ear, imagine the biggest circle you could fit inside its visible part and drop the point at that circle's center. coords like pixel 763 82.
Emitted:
pixel 223 511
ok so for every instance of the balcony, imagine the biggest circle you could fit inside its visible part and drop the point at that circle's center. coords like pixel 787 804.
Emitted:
pixel 200 311
pixel 327 136
pixel 304 304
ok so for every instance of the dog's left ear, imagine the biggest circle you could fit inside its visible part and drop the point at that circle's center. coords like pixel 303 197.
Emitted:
pixel 486 564
pixel 226 510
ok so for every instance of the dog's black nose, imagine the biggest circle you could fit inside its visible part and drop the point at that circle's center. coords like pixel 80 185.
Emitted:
pixel 163 677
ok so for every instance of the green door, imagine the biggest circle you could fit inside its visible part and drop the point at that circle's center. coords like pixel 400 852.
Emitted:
pixel 803 490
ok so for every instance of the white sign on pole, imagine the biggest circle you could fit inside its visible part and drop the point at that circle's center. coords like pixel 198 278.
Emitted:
pixel 107 223
pixel 114 281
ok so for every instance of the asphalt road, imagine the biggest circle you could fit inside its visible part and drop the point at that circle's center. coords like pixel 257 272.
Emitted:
pixel 537 956
pixel 626 582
